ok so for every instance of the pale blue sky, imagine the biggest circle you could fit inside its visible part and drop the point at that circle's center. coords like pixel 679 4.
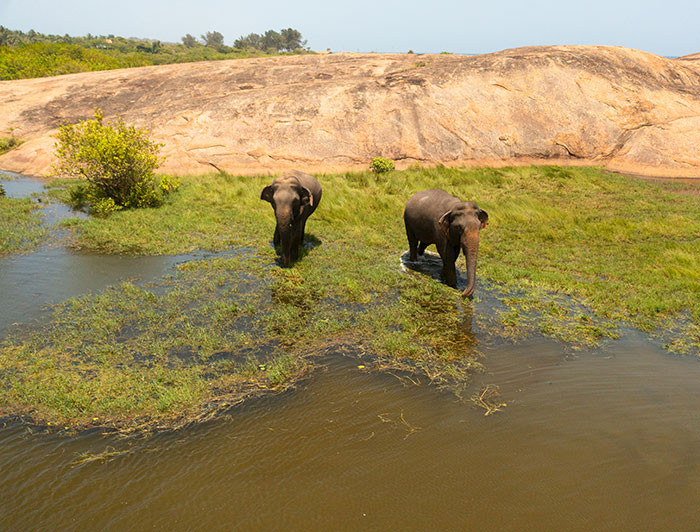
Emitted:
pixel 669 27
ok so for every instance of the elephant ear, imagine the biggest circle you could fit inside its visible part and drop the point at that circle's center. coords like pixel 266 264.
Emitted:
pixel 483 218
pixel 267 193
pixel 444 222
pixel 306 197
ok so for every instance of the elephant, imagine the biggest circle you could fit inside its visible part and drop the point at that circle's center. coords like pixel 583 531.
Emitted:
pixel 294 197
pixel 436 217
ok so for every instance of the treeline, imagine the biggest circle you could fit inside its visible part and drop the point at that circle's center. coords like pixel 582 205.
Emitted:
pixel 286 40
pixel 32 54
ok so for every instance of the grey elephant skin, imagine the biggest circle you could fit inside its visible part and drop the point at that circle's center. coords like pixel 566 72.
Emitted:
pixel 294 197
pixel 436 217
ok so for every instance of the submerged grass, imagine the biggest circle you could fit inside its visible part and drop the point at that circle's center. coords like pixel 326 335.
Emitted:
pixel 20 225
pixel 570 253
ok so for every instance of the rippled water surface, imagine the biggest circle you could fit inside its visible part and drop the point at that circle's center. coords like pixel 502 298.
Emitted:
pixel 599 442
pixel 605 440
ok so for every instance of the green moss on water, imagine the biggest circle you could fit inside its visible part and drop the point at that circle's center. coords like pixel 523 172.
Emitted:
pixel 570 253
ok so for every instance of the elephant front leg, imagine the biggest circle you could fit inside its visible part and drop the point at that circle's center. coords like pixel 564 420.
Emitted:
pixel 276 236
pixel 449 272
pixel 303 231
pixel 296 240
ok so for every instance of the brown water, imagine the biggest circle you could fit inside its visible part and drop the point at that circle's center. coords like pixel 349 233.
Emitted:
pixel 607 440
pixel 599 442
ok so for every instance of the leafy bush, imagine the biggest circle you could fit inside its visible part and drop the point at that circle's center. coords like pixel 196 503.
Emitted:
pixel 2 190
pixel 117 160
pixel 381 165
pixel 168 184
pixel 103 207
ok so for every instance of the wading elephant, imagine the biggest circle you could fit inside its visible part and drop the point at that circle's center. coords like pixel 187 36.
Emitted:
pixel 294 197
pixel 435 217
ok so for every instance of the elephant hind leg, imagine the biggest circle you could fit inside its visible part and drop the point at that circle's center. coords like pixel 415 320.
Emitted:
pixel 421 248
pixel 412 245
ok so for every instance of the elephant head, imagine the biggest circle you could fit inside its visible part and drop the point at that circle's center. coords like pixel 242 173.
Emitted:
pixel 289 199
pixel 461 226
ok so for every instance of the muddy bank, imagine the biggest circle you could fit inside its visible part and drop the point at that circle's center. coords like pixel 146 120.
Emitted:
pixel 620 108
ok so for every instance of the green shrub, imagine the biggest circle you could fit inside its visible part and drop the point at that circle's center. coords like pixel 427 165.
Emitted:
pixel 103 207
pixel 117 160
pixel 7 143
pixel 78 196
pixel 2 190
pixel 168 184
pixel 381 165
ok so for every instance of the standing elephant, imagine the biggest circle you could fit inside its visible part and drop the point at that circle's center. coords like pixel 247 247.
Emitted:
pixel 435 217
pixel 294 197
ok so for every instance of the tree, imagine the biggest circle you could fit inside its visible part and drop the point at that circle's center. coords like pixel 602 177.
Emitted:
pixel 252 40
pixel 189 41
pixel 272 39
pixel 291 39
pixel 213 39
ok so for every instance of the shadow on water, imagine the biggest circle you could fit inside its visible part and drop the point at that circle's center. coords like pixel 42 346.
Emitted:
pixel 430 264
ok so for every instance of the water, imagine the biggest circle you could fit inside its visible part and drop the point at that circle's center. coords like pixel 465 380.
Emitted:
pixel 606 440
pixel 52 273
pixel 602 442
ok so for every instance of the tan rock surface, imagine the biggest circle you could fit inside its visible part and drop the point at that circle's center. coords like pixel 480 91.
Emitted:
pixel 620 108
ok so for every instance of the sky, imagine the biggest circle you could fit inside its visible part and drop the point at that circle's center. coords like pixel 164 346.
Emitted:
pixel 669 27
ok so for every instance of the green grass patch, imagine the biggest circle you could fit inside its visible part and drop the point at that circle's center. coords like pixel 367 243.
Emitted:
pixel 8 143
pixel 20 225
pixel 571 253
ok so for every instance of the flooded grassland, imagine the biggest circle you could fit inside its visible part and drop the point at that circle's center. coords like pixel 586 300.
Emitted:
pixel 573 254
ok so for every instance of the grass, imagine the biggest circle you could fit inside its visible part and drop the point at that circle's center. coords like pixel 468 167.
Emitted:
pixel 570 253
pixel 8 143
pixel 20 225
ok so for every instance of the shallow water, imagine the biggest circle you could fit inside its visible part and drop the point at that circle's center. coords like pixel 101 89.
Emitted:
pixel 51 273
pixel 599 442
pixel 606 440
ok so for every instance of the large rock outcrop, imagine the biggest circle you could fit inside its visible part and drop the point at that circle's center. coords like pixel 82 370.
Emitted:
pixel 624 109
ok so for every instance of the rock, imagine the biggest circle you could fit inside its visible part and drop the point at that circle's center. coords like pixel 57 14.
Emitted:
pixel 624 109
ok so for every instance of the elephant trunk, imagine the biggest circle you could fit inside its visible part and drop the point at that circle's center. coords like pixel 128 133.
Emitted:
pixel 284 226
pixel 470 247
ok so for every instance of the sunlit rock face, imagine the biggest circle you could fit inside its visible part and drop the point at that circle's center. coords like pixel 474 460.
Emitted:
pixel 620 108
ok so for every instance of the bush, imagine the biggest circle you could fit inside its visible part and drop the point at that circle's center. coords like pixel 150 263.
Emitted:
pixel 381 165
pixel 7 143
pixel 117 160
pixel 2 190
pixel 103 207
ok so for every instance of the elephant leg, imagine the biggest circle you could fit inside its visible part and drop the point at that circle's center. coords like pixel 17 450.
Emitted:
pixel 421 248
pixel 449 273
pixel 412 245
pixel 276 237
pixel 294 252
pixel 303 230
